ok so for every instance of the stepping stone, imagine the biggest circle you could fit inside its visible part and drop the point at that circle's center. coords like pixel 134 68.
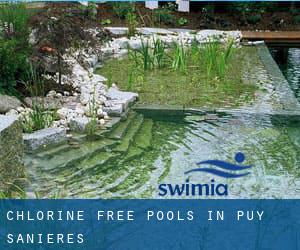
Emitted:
pixel 144 136
pixel 129 136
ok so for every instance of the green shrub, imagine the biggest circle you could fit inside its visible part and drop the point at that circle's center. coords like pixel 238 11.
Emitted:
pixel 297 19
pixel 39 117
pixel 14 45
pixel 106 22
pixel 132 23
pixel 122 9
pixel 254 19
pixel 164 15
pixel 13 64
pixel 182 21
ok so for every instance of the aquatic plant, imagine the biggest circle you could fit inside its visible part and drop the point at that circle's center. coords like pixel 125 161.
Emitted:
pixel 179 58
pixel 159 53
pixel 194 52
pixel 146 55
pixel 216 58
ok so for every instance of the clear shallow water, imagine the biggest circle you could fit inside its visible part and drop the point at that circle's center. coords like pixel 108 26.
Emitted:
pixel 288 60
pixel 139 154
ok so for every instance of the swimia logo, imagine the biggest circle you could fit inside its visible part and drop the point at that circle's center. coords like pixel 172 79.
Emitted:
pixel 215 167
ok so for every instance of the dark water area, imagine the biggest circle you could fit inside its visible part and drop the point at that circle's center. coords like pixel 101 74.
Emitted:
pixel 288 60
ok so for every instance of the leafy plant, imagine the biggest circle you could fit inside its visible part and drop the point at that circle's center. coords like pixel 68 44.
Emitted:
pixel 254 19
pixel 164 15
pixel 122 9
pixel 106 22
pixel 297 19
pixel 182 21
pixel 131 20
pixel 37 119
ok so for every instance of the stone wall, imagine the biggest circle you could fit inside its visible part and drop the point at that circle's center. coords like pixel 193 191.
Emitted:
pixel 11 152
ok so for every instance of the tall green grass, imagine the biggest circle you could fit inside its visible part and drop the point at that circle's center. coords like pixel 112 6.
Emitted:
pixel 179 57
pixel 39 117
pixel 217 57
pixel 213 56
pixel 147 57
pixel 159 53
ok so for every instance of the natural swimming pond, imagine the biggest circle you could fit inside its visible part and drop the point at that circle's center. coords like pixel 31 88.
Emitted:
pixel 142 152
pixel 138 154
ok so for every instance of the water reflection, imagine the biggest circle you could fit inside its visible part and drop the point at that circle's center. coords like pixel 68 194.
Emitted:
pixel 288 60
pixel 270 143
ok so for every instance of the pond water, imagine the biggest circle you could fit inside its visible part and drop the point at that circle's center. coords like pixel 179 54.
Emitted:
pixel 288 60
pixel 142 152
pixel 138 154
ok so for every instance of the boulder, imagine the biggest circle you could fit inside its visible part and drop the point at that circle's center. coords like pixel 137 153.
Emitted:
pixel 44 137
pixel 124 97
pixel 7 103
pixel 78 124
pixel 115 110
pixel 49 102
pixel 117 30
pixel 158 31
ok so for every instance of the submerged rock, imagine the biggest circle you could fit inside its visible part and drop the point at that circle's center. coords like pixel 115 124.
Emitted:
pixel 8 102
pixel 44 137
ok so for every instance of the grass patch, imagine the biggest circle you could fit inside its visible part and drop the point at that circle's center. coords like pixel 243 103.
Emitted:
pixel 207 76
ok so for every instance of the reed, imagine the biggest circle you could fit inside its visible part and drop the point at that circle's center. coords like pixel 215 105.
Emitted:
pixel 180 57
pixel 159 53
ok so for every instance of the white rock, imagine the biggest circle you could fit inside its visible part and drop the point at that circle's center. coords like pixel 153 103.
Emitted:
pixel 100 113
pixel 85 98
pixel 12 112
pixel 51 93
pixel 62 113
pixel 102 121
pixel 79 111
pixel 20 109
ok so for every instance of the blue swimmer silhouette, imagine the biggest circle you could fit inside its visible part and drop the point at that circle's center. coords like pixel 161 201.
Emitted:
pixel 225 166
